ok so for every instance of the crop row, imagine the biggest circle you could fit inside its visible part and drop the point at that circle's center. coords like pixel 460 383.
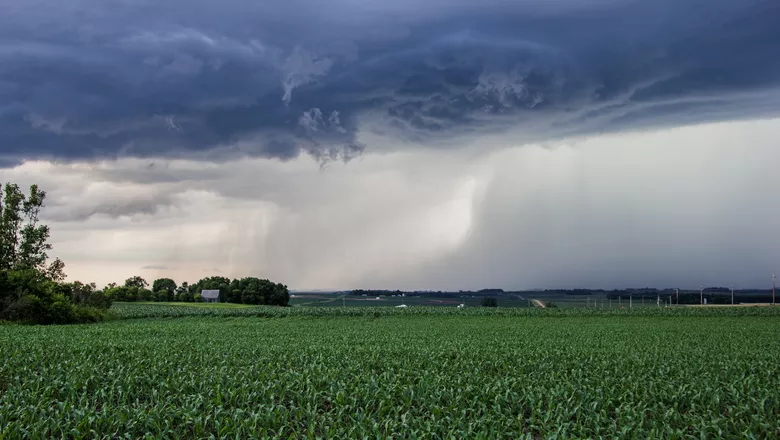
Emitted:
pixel 131 310
pixel 408 376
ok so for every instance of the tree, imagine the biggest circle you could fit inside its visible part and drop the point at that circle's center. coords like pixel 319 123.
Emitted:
pixel 166 284
pixel 30 290
pixel 23 239
pixel 78 291
pixel 489 302
pixel 145 294
pixel 183 293
pixel 162 295
pixel 136 282
pixel 280 295
pixel 251 290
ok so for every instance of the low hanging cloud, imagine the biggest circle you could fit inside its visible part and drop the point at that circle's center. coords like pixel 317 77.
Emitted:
pixel 90 79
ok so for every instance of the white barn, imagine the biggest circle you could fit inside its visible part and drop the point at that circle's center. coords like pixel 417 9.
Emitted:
pixel 211 296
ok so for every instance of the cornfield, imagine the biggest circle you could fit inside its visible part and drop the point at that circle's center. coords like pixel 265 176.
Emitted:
pixel 132 310
pixel 394 374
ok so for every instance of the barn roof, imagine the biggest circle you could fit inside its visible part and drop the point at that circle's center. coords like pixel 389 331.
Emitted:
pixel 210 294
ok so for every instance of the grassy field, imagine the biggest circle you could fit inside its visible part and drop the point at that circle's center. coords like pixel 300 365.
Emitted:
pixel 163 310
pixel 385 372
pixel 504 300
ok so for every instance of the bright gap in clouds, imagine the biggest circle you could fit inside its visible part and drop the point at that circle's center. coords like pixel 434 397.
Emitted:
pixel 681 207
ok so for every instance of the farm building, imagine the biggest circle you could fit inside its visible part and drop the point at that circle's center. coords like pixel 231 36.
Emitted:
pixel 211 296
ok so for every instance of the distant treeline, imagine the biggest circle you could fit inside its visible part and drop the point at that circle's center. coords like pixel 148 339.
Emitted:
pixel 249 290
pixel 428 293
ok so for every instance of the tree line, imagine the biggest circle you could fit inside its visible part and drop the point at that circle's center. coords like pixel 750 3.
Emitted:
pixel 248 290
pixel 33 288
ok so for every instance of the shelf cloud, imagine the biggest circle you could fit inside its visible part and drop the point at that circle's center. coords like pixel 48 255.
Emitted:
pixel 90 80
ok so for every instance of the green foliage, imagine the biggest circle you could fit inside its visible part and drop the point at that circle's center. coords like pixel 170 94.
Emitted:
pixel 30 290
pixel 477 374
pixel 152 310
pixel 163 295
pixel 137 282
pixel 185 293
pixel 145 295
pixel 98 300
pixel 252 290
pixel 22 239
pixel 248 290
pixel 166 284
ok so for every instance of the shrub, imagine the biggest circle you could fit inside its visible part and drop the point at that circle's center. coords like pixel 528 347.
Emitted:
pixel 58 312
pixel 26 309
pixel 99 300
pixel 489 302
pixel 84 315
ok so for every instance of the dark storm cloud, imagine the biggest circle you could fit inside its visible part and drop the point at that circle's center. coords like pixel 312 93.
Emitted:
pixel 102 79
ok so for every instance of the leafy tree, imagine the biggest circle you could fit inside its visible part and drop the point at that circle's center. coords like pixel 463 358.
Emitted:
pixel 145 295
pixel 23 239
pixel 183 293
pixel 162 295
pixel 30 289
pixel 251 290
pixel 280 296
pixel 137 282
pixel 164 284
pixel 78 291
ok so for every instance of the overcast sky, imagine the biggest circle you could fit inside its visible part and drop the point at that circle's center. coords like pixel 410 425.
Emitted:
pixel 427 144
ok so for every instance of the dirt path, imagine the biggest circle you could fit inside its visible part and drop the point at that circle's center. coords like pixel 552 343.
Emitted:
pixel 539 303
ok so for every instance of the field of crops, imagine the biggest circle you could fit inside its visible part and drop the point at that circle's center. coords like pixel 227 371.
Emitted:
pixel 394 375
pixel 162 310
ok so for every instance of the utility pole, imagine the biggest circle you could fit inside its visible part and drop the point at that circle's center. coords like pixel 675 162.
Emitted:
pixel 701 295
pixel 732 294
pixel 631 301
pixel 678 296
pixel 773 288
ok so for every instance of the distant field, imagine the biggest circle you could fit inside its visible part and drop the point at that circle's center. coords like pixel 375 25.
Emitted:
pixel 520 299
pixel 158 310
pixel 504 300
pixel 381 372
pixel 193 304
pixel 340 300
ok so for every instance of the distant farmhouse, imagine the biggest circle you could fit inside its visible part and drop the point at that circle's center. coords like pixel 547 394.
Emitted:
pixel 210 296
